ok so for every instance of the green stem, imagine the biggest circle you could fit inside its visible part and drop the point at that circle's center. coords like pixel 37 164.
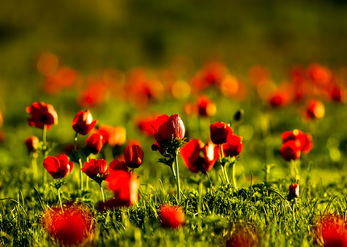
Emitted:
pixel 60 202
pixel 233 175
pixel 177 177
pixel 79 161
pixel 44 150
pixel 102 193
pixel 226 178
pixel 34 165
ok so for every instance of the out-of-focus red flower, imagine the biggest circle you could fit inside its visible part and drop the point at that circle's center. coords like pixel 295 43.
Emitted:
pixel 199 157
pixel 315 110
pixel 2 136
pixel 47 63
pixel 32 143
pixel 319 74
pixel 95 143
pixel 118 165
pixel 180 89
pixel 206 108
pixel 1 119
pixel 83 122
pixel 331 231
pixel 303 140
pixel 168 128
pixel 337 93
pixel 211 75
pixel 42 114
pixel 58 167
pixel 278 99
pixel 259 75
pixel 95 168
pixel 94 95
pixel 297 74
pixel 233 146
pixel 63 78
pixel 113 135
pixel 290 150
pixel 133 155
pixel 171 216
pixel 73 225
pixel 125 189
pixel 244 236
pixel 189 109
pixel 293 191
pixel 219 132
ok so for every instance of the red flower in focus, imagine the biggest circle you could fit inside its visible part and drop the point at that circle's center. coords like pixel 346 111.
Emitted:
pixel 293 191
pixel 171 216
pixel 199 157
pixel 331 231
pixel 315 110
pixel 206 108
pixel 278 99
pixel 290 150
pixel 166 128
pixel 303 140
pixel 114 136
pixel 233 146
pixel 71 226
pixel 95 143
pixel 219 132
pixel 95 169
pixel 42 114
pixel 32 143
pixel 125 189
pixel 83 122
pixel 133 155
pixel 58 167
pixel 118 165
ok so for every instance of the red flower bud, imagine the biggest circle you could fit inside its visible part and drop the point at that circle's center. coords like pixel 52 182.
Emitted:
pixel 219 132
pixel 290 150
pixel 95 143
pixel 95 167
pixel 32 143
pixel 133 155
pixel 167 128
pixel 233 146
pixel 171 216
pixel 315 110
pixel 58 167
pixel 206 108
pixel 293 191
pixel 83 122
pixel 42 114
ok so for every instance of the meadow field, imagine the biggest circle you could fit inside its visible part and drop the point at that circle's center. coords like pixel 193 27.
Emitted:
pixel 152 123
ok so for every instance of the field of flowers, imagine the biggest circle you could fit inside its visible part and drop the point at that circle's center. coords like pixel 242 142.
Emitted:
pixel 176 157
pixel 173 123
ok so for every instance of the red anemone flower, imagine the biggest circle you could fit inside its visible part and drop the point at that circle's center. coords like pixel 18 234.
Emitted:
pixel 244 236
pixel 233 146
pixel 290 150
pixel 278 99
pixel 95 168
pixel 315 110
pixel 32 143
pixel 171 216
pixel 199 157
pixel 133 155
pixel 303 140
pixel 219 132
pixel 42 114
pixel 166 128
pixel 58 167
pixel 95 143
pixel 118 165
pixel 125 189
pixel 293 191
pixel 71 226
pixel 206 108
pixel 83 122
pixel 331 231
pixel 113 135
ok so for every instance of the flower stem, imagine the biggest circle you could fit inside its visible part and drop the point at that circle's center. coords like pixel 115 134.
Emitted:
pixel 233 175
pixel 177 177
pixel 226 178
pixel 79 161
pixel 34 164
pixel 102 193
pixel 44 150
pixel 60 202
